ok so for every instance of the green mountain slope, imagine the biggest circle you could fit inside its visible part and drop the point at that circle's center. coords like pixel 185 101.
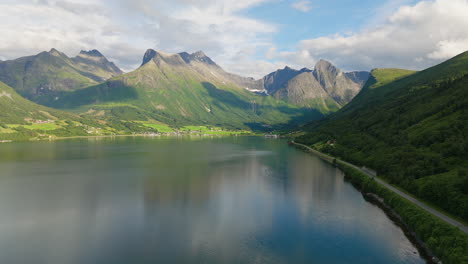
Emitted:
pixel 182 89
pixel 21 119
pixel 47 73
pixel 412 130
pixel 16 110
pixel 381 77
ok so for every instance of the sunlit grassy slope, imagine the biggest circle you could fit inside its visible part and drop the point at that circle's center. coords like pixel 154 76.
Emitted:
pixel 180 96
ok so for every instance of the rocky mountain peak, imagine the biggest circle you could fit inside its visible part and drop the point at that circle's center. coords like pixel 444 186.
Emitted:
pixel 276 80
pixel 326 73
pixel 163 58
pixel 93 59
pixel 55 52
pixel 149 55
pixel 323 65
pixel 199 56
pixel 185 56
pixel 92 53
pixel 325 81
pixel 181 58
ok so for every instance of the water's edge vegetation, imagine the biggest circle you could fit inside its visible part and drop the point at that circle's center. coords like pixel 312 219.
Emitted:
pixel 432 236
pixel 153 131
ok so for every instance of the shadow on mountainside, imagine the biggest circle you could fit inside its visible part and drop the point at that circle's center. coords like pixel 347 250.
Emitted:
pixel 266 114
pixel 225 97
pixel 301 118
pixel 102 93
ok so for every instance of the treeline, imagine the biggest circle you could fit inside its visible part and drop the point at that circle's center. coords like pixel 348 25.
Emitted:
pixel 448 243
pixel 416 139
pixel 77 128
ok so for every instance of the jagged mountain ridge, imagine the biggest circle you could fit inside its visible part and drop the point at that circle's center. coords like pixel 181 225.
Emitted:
pixel 306 91
pixel 50 72
pixel 183 89
pixel 43 77
pixel 93 61
pixel 276 80
pixel 175 87
pixel 339 86
pixel 204 65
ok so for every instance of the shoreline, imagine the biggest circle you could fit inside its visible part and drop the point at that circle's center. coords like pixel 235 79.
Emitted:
pixel 422 249
pixel 441 215
pixel 129 135
pixel 375 199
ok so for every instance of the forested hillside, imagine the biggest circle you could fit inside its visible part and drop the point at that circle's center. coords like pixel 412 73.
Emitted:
pixel 411 128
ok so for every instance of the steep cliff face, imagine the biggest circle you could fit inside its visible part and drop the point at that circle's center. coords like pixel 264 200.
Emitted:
pixel 337 83
pixel 359 77
pixel 326 87
pixel 306 91
pixel 278 79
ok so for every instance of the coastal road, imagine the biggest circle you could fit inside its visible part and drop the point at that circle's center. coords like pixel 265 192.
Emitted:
pixel 413 200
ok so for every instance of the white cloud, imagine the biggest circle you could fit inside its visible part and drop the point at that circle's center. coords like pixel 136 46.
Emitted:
pixel 124 29
pixel 413 37
pixel 449 48
pixel 385 10
pixel 303 6
pixel 212 26
pixel 30 27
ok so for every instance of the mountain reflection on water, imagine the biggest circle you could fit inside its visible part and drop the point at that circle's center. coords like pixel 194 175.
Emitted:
pixel 177 200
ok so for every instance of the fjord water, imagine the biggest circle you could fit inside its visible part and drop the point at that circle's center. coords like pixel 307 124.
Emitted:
pixel 185 200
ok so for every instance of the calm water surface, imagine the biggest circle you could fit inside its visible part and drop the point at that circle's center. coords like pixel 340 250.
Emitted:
pixel 169 200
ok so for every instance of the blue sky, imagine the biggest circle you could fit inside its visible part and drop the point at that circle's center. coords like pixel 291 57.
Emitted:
pixel 248 37
pixel 324 18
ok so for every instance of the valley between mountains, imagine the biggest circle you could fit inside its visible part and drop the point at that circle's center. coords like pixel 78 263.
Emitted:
pixel 89 95
pixel 409 126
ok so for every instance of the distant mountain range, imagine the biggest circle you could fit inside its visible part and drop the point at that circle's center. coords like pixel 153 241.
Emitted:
pixel 48 73
pixel 179 89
